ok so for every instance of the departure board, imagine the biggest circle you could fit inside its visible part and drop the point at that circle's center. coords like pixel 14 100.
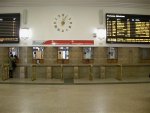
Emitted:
pixel 9 28
pixel 127 28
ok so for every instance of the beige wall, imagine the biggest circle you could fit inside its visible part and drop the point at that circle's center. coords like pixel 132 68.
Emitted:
pixel 41 21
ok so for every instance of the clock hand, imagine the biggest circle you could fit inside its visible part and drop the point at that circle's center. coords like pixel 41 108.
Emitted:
pixel 65 18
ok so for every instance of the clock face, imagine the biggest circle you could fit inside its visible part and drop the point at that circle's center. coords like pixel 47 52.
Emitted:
pixel 62 23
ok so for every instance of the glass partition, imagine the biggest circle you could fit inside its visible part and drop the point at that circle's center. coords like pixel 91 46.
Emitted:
pixel 112 55
pixel 88 55
pixel 38 54
pixel 15 52
pixel 63 55
pixel 63 52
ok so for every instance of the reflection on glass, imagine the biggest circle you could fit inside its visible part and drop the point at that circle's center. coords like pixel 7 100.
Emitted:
pixel 38 52
pixel 14 51
pixel 63 52
pixel 87 53
pixel 112 53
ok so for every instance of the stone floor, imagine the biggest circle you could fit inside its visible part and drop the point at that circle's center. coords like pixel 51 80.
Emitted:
pixel 99 98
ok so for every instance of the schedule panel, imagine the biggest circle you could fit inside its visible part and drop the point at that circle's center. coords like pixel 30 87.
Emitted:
pixel 127 28
pixel 9 28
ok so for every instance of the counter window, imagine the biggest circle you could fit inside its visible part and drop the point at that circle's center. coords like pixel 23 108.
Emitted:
pixel 63 53
pixel 15 52
pixel 38 53
pixel 112 55
pixel 87 53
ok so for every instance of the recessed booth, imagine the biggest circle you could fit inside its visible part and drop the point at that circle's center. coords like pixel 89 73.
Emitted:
pixel 88 55
pixel 63 55
pixel 38 55
pixel 15 52
pixel 112 55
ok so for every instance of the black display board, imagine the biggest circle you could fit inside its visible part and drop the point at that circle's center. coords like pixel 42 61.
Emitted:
pixel 9 28
pixel 127 28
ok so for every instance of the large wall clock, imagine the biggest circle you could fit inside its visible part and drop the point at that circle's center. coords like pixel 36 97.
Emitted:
pixel 62 22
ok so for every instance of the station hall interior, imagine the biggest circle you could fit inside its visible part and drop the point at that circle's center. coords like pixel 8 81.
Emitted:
pixel 85 48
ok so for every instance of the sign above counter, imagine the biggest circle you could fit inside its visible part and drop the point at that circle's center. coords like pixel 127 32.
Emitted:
pixel 63 42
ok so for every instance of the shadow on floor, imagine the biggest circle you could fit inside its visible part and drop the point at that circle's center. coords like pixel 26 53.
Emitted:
pixel 68 81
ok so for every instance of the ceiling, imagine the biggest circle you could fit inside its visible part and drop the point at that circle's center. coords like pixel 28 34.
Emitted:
pixel 97 3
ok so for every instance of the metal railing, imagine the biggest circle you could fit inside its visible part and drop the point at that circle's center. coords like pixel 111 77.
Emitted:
pixel 5 71
pixel 103 68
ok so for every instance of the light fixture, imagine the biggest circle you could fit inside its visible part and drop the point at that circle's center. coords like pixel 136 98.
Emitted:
pixel 25 33
pixel 100 33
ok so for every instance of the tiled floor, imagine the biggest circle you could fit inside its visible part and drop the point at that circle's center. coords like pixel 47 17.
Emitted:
pixel 101 98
